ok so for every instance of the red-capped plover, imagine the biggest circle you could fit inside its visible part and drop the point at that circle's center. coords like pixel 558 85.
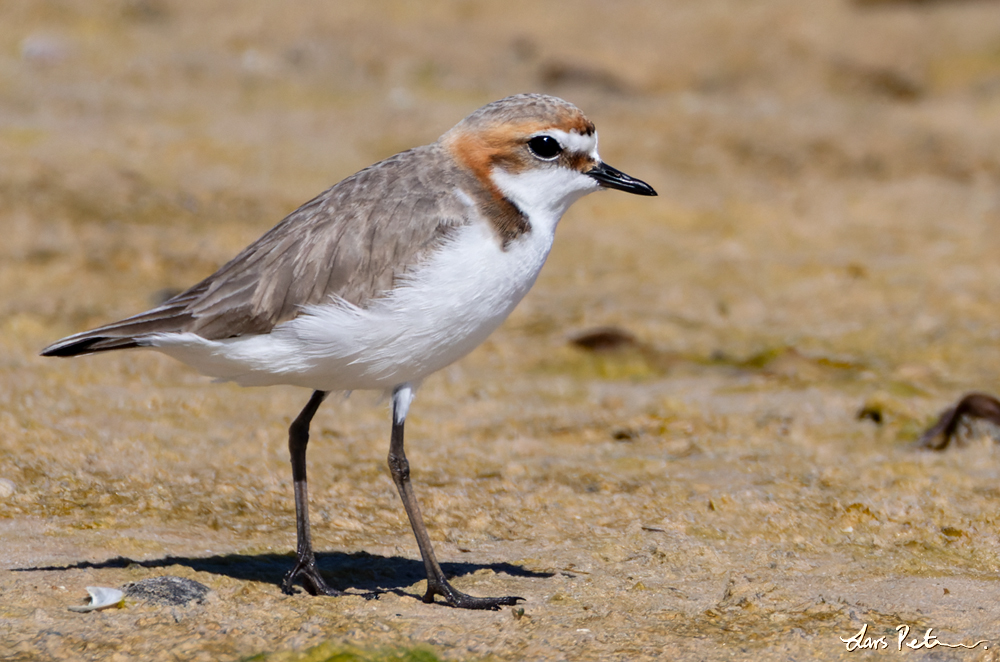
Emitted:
pixel 383 279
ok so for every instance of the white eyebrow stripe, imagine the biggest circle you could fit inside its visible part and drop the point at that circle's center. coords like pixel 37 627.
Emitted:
pixel 575 142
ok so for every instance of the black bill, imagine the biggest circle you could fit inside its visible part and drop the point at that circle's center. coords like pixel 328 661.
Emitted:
pixel 613 178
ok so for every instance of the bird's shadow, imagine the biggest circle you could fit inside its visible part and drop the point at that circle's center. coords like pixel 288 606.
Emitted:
pixel 370 574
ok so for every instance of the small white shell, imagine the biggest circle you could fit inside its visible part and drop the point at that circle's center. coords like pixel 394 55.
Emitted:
pixel 101 598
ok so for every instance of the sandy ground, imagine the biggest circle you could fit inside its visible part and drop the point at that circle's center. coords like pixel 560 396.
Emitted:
pixel 825 241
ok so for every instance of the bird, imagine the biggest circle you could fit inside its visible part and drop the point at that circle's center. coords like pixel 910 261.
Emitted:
pixel 381 280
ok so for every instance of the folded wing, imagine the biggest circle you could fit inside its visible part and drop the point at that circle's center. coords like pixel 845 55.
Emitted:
pixel 352 242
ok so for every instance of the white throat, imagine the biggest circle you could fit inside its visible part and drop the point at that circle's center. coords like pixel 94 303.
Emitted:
pixel 544 194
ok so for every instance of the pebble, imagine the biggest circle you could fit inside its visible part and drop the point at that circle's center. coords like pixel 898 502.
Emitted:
pixel 44 49
pixel 167 590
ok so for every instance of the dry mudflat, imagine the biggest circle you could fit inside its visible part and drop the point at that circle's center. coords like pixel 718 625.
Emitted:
pixel 735 479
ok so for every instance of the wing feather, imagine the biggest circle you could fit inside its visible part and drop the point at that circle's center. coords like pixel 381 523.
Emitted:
pixel 352 242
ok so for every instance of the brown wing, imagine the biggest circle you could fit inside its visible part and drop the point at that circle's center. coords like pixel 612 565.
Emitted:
pixel 352 241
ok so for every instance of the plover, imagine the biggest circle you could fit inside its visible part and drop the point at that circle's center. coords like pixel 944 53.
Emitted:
pixel 383 279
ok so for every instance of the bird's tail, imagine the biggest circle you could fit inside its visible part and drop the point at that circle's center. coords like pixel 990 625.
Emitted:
pixel 125 334
pixel 88 342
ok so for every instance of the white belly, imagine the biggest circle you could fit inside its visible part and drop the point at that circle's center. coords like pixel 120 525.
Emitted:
pixel 442 312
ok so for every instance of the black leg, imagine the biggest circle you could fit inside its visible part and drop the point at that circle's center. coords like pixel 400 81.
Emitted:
pixel 305 562
pixel 400 469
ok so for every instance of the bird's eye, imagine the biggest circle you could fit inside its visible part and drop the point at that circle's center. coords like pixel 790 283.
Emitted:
pixel 545 147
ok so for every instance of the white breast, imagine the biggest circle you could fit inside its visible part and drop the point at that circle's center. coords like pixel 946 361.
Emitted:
pixel 440 313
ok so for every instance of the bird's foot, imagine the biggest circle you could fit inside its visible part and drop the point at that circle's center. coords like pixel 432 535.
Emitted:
pixel 459 600
pixel 306 571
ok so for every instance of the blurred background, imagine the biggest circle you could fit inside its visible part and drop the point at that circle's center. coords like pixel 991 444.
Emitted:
pixel 739 364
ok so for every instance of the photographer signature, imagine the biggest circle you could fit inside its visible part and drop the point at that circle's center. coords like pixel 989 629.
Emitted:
pixel 861 641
